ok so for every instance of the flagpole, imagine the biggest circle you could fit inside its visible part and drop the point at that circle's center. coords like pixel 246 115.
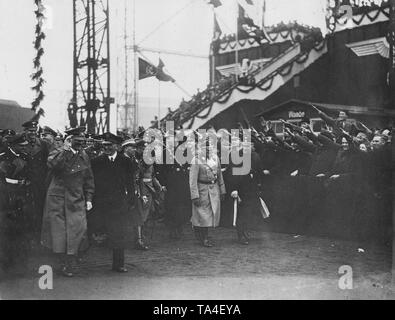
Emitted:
pixel 213 54
pixel 159 99
pixel 263 14
pixel 136 71
pixel 158 104
pixel 237 40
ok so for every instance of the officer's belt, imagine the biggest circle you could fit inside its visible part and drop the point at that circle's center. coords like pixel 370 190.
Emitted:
pixel 147 180
pixel 207 182
pixel 13 181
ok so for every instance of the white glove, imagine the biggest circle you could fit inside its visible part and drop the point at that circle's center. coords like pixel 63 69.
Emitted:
pixel 89 206
pixel 234 194
pixel 295 173
pixel 266 172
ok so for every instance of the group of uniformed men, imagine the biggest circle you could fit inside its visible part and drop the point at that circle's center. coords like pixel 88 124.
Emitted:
pixel 63 192
pixel 54 188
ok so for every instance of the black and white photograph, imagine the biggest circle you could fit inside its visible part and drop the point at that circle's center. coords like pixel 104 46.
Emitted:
pixel 197 154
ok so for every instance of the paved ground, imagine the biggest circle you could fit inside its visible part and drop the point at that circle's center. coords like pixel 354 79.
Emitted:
pixel 273 266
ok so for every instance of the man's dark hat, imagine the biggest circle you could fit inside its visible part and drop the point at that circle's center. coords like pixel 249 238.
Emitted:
pixel 111 138
pixel 48 130
pixel 76 132
pixel 30 125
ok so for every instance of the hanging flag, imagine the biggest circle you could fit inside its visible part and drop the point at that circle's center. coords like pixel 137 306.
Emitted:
pixel 161 75
pixel 217 29
pixel 216 36
pixel 247 28
pixel 245 19
pixel 215 3
pixel 146 69
pixel 242 20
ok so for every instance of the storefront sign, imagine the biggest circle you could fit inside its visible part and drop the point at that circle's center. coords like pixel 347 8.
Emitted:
pixel 296 114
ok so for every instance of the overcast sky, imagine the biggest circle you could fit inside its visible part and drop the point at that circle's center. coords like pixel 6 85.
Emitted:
pixel 189 31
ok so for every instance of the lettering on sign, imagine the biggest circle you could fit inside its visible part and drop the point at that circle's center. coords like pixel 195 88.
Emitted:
pixel 296 114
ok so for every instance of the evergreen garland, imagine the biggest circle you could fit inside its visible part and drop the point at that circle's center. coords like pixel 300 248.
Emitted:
pixel 37 74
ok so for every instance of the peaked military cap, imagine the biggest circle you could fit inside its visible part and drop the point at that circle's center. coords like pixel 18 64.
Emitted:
pixel 111 138
pixel 30 125
pixel 48 130
pixel 76 132
pixel 129 142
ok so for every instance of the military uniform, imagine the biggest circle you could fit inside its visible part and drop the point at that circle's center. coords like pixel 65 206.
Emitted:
pixel 38 151
pixel 68 197
pixel 148 186
pixel 72 185
pixel 206 184
pixel 16 205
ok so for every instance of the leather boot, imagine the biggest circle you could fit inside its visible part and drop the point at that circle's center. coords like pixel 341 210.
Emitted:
pixel 67 265
pixel 118 260
pixel 243 239
pixel 206 242
pixel 198 233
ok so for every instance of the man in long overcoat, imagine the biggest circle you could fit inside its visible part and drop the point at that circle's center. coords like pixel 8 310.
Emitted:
pixel 207 190
pixel 38 151
pixel 246 189
pixel 69 197
pixel 178 205
pixel 115 197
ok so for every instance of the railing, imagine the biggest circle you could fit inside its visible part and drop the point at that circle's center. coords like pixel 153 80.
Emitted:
pixel 261 75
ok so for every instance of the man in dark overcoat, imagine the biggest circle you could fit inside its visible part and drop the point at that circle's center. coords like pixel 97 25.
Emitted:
pixel 175 177
pixel 38 151
pixel 246 190
pixel 115 197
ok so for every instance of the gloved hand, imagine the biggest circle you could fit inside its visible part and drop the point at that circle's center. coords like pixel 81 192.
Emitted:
pixel 89 206
pixel 234 194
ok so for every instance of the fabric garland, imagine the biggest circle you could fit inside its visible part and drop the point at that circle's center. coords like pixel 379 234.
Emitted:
pixel 264 84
